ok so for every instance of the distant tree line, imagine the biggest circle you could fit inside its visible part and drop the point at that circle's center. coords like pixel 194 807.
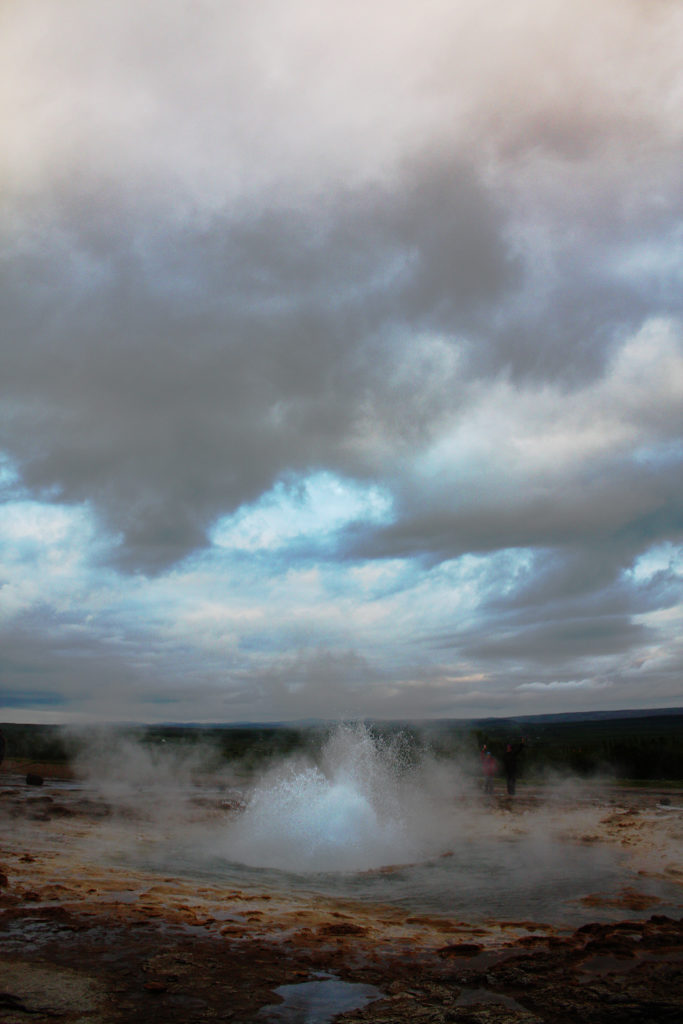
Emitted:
pixel 639 749
pixel 47 743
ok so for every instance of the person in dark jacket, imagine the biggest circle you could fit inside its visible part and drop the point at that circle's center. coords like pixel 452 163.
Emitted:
pixel 510 764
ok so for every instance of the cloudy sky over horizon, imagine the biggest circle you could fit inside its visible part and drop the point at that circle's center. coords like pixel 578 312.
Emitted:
pixel 341 369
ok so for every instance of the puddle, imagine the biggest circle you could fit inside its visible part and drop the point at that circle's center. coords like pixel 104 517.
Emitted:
pixel 317 1002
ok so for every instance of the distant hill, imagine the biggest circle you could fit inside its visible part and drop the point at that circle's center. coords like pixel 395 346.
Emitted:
pixel 590 716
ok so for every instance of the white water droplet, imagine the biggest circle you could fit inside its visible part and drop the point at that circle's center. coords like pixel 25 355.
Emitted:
pixel 347 817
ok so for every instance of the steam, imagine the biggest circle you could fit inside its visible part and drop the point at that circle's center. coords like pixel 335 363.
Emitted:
pixel 155 782
pixel 347 814
pixel 359 802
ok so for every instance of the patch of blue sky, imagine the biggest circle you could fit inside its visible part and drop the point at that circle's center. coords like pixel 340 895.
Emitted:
pixel 661 453
pixel 458 594
pixel 665 558
pixel 30 528
pixel 9 477
pixel 366 598
pixel 50 557
pixel 495 572
pixel 314 508
pixel 660 259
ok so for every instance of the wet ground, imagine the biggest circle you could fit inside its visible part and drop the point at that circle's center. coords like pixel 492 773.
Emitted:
pixel 83 939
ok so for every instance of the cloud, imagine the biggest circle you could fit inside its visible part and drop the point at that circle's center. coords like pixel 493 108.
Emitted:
pixel 169 399
pixel 572 684
pixel 336 335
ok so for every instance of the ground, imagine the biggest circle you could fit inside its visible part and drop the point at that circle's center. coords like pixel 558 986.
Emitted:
pixel 84 940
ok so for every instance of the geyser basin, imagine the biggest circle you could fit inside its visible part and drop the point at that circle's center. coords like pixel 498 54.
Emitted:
pixel 366 822
pixel 479 880
pixel 351 813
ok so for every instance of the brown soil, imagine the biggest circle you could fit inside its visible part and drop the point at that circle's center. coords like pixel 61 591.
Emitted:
pixel 82 941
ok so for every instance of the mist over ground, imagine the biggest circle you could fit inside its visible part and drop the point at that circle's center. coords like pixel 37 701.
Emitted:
pixel 382 815
pixel 165 874
pixel 348 798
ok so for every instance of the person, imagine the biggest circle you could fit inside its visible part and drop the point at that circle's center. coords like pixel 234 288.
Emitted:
pixel 510 763
pixel 488 767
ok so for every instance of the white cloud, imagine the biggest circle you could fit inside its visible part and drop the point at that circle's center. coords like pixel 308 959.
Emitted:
pixel 314 508
pixel 350 335
pixel 661 558
pixel 215 100
pixel 508 430
pixel 40 525
pixel 570 684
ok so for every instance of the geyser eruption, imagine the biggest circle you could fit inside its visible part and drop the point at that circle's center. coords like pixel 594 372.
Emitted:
pixel 365 801
pixel 350 813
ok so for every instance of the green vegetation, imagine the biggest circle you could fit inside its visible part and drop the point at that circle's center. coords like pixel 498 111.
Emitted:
pixel 249 747
pixel 646 748
pixel 47 744
pixel 641 748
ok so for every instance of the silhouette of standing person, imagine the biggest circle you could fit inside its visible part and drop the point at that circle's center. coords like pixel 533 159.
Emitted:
pixel 510 764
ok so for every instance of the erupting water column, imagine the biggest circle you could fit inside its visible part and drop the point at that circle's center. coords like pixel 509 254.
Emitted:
pixel 347 815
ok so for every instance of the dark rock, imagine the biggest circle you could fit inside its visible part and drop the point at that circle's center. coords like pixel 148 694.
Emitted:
pixel 341 929
pixel 156 986
pixel 461 949
pixel 11 1002
pixel 594 928
pixel 34 780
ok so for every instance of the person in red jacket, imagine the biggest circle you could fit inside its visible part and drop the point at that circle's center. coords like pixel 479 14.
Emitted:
pixel 489 768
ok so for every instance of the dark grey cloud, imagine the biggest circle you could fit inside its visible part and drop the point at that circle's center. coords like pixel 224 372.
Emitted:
pixel 572 621
pixel 622 506
pixel 560 642
pixel 169 374
pixel 54 666
pixel 449 272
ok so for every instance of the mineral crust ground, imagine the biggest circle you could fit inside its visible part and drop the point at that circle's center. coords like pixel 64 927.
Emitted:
pixel 83 940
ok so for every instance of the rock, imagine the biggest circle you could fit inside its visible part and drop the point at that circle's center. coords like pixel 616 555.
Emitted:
pixel 341 929
pixel 461 949
pixel 10 1002
pixel 156 986
pixel 34 780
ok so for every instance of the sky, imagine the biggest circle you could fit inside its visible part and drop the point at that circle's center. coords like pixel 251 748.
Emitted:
pixel 341 359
